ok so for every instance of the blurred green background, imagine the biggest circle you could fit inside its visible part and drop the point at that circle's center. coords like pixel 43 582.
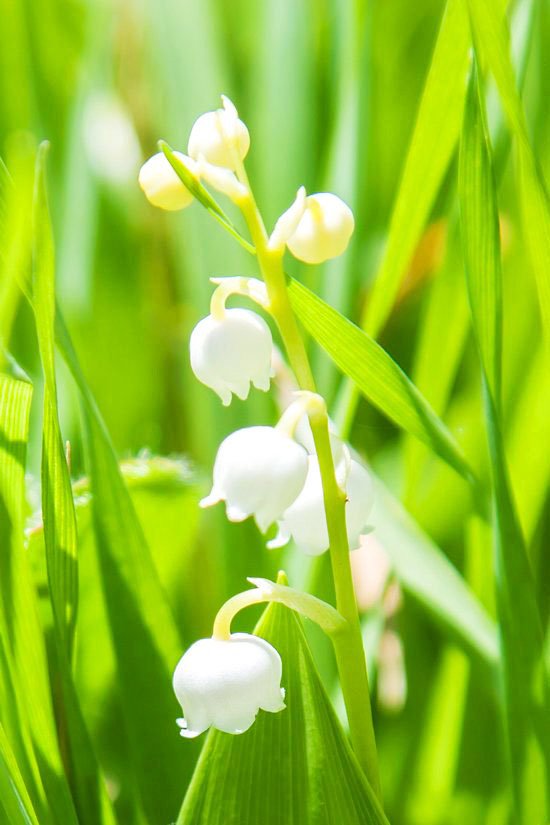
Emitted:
pixel 329 90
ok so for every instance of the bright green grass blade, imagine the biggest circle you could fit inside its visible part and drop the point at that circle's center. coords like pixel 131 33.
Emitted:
pixel 527 708
pixel 57 500
pixel 430 151
pixel 144 634
pixel 376 375
pixel 14 798
pixel 480 241
pixel 429 577
pixel 20 627
pixel 290 768
pixel 492 39
pixel 60 532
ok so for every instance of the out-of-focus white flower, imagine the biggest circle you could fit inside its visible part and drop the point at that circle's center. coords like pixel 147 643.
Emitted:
pixel 230 352
pixel 323 231
pixel 223 683
pixel 305 519
pixel 259 471
pixel 220 137
pixel 110 139
pixel 161 184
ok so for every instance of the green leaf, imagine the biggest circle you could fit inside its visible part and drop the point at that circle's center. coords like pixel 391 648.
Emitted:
pixel 294 767
pixel 27 716
pixel 144 633
pixel 526 694
pixel 14 798
pixel 492 39
pixel 203 195
pixel 376 375
pixel 60 533
pixel 431 148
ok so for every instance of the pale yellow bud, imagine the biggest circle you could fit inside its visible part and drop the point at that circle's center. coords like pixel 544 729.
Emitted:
pixel 161 184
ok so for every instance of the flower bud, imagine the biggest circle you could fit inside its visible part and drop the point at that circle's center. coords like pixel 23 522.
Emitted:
pixel 161 184
pixel 324 229
pixel 223 683
pixel 305 519
pixel 230 352
pixel 258 471
pixel 220 137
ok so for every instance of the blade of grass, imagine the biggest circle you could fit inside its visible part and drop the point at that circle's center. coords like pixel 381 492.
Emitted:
pixel 60 532
pixel 24 648
pixel 376 375
pixel 14 798
pixel 527 707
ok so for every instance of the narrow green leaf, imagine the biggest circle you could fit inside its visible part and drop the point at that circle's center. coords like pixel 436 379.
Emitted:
pixel 480 240
pixel 14 798
pixel 431 148
pixel 203 195
pixel 376 375
pixel 60 533
pixel 492 38
pixel 23 645
pixel 144 634
pixel 291 768
pixel 526 694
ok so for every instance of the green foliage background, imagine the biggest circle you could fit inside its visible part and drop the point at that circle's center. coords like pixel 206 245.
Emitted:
pixel 339 95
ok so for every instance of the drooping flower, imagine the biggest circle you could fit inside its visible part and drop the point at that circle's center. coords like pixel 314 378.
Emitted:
pixel 162 186
pixel 231 352
pixel 223 683
pixel 323 230
pixel 259 471
pixel 220 137
pixel 305 519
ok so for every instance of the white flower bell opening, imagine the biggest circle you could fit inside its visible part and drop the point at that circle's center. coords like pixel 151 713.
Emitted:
pixel 305 519
pixel 259 471
pixel 323 231
pixel 220 137
pixel 223 683
pixel 231 352
pixel 162 186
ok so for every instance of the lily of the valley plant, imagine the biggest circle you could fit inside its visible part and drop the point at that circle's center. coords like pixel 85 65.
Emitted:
pixel 297 478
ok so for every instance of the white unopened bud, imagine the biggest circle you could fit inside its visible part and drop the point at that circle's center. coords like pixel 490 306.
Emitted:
pixel 324 229
pixel 220 137
pixel 231 352
pixel 305 519
pixel 161 184
pixel 223 683
pixel 259 471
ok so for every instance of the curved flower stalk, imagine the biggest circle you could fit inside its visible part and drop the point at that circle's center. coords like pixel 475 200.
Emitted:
pixel 161 184
pixel 223 683
pixel 258 472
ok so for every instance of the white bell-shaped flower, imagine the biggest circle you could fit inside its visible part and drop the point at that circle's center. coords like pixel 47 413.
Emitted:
pixel 231 352
pixel 305 519
pixel 161 184
pixel 259 471
pixel 220 137
pixel 324 229
pixel 223 683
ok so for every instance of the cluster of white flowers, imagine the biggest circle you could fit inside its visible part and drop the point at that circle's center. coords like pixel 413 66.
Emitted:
pixel 269 473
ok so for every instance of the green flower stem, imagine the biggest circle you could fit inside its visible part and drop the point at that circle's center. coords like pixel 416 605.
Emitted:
pixel 348 644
